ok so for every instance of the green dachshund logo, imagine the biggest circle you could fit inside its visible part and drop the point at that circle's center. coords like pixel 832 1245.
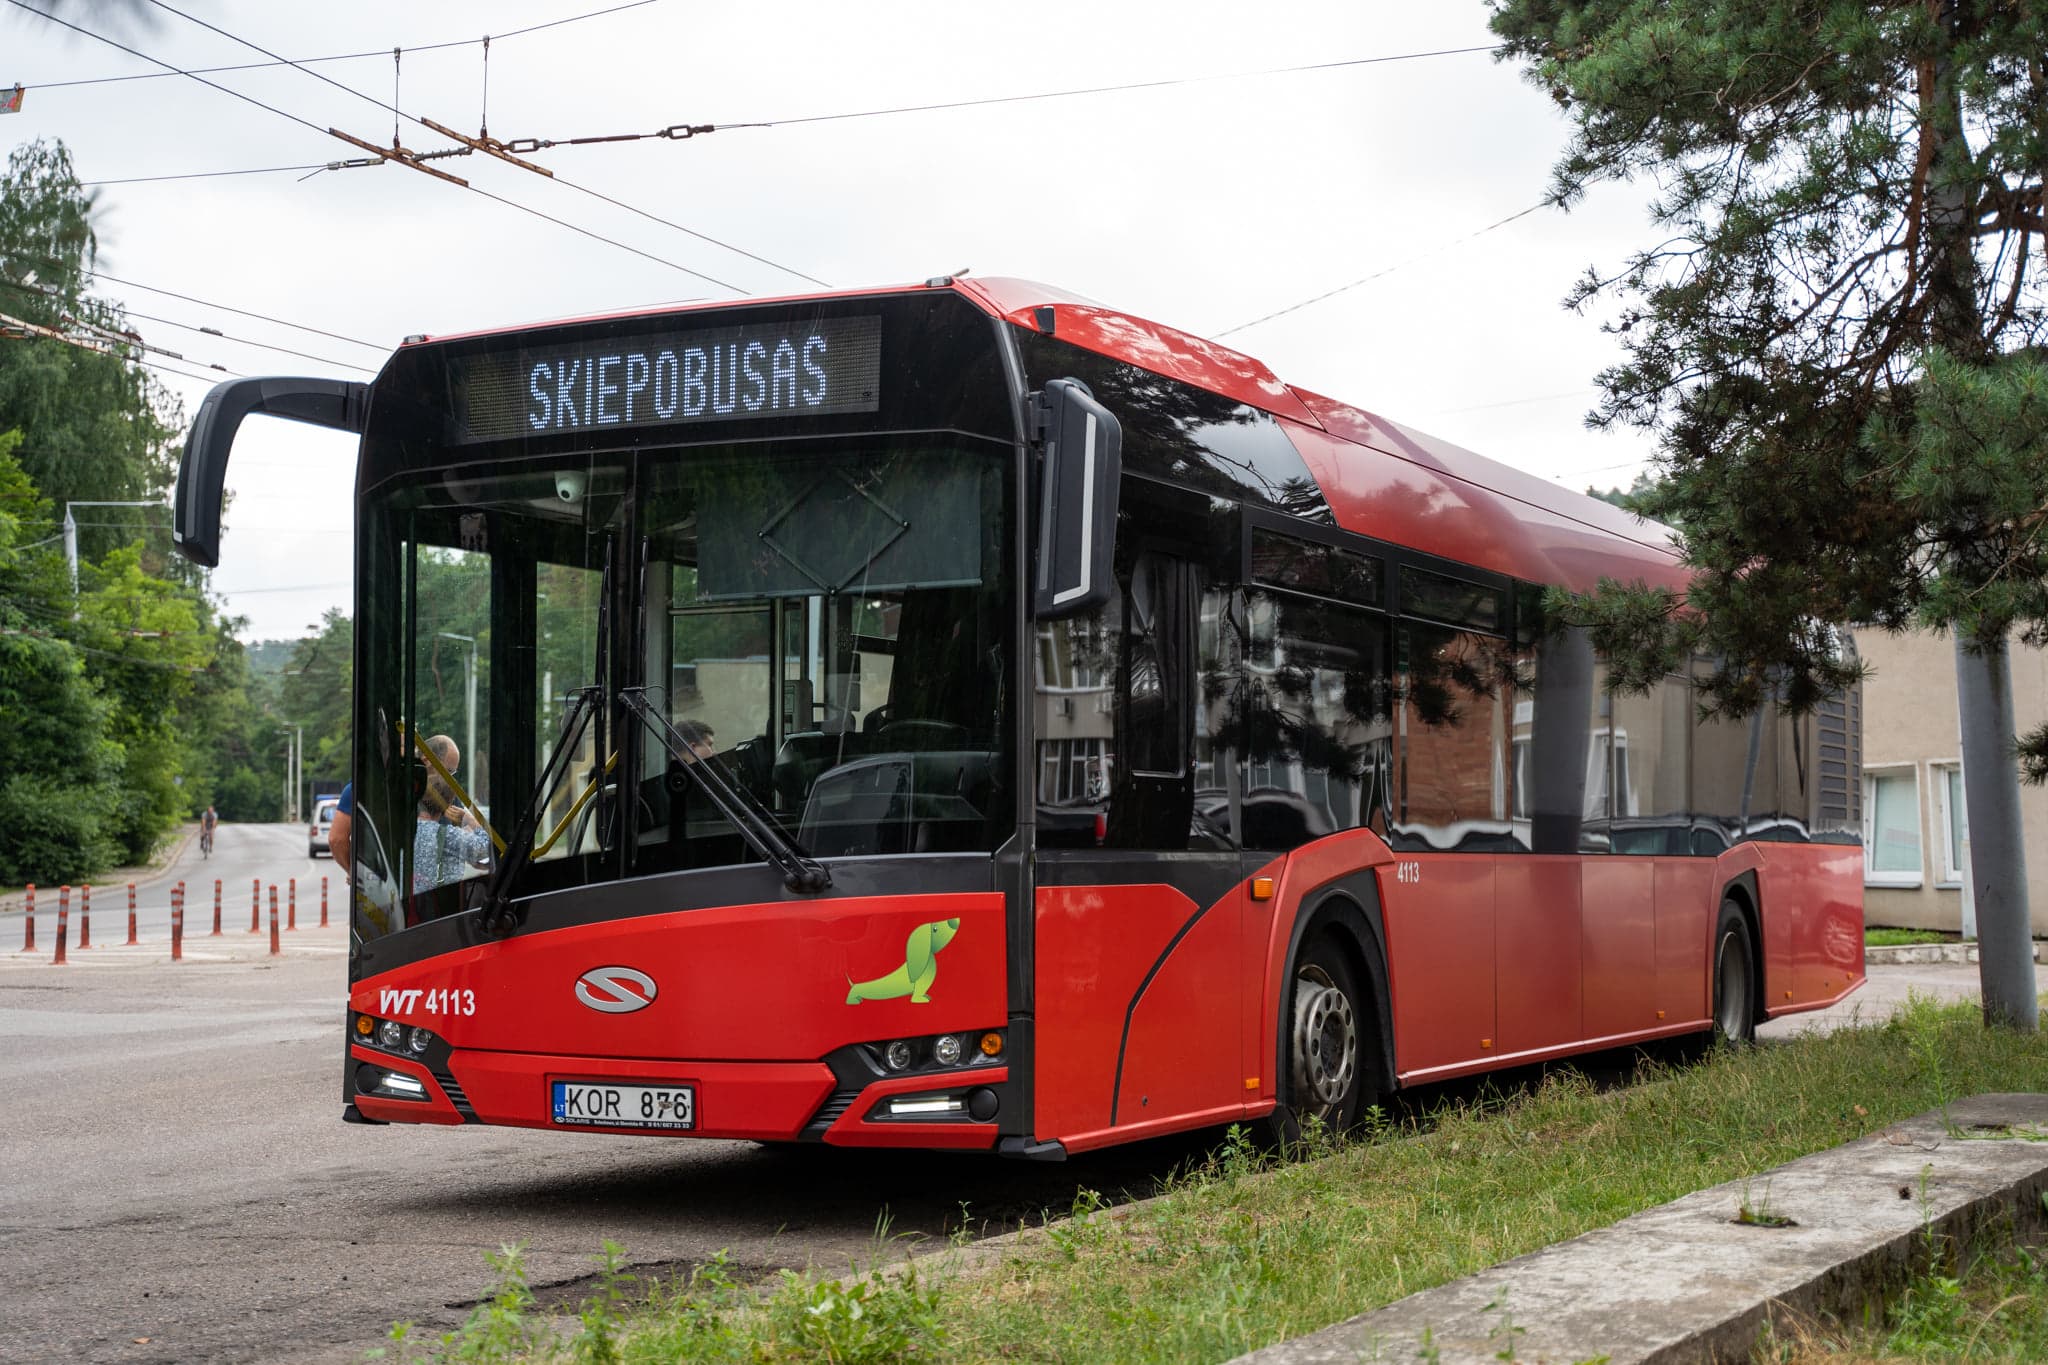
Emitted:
pixel 920 967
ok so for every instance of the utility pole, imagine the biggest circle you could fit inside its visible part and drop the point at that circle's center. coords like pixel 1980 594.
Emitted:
pixel 294 769
pixel 71 533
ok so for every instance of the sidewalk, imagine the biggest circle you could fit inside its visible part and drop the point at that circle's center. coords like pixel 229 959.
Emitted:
pixel 1686 1282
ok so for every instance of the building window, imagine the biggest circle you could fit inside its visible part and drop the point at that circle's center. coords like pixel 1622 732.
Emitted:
pixel 1951 820
pixel 1891 827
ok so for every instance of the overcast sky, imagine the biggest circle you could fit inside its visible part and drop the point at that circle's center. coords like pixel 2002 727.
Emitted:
pixel 1203 204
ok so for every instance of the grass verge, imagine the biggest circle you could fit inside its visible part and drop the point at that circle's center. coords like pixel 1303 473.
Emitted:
pixel 1899 938
pixel 1242 1252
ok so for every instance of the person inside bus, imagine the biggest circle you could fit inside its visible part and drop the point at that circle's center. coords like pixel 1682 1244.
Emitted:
pixel 700 737
pixel 666 796
pixel 447 845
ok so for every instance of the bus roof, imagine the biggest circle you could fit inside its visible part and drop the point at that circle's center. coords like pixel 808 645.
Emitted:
pixel 1423 492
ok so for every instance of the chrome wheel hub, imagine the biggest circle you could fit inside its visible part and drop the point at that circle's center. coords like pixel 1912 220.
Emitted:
pixel 1325 1040
pixel 1731 972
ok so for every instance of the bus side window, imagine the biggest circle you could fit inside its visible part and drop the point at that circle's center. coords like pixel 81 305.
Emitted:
pixel 1453 728
pixel 1650 737
pixel 1319 723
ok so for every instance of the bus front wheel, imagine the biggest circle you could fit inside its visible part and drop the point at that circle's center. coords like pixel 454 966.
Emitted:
pixel 1735 981
pixel 1327 1063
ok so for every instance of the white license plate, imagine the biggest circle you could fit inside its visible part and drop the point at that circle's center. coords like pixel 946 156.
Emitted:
pixel 604 1104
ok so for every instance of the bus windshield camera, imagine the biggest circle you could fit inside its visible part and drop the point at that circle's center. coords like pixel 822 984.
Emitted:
pixel 569 485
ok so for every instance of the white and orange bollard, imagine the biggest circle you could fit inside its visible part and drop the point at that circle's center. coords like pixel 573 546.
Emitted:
pixel 28 941
pixel 63 923
pixel 256 905
pixel 178 922
pixel 216 909
pixel 323 902
pixel 273 920
pixel 291 904
pixel 131 914
pixel 85 916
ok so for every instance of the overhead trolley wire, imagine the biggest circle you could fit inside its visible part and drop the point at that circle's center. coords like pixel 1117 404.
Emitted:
pixel 325 132
pixel 1109 89
pixel 209 175
pixel 239 312
pixel 48 292
pixel 102 340
pixel 339 56
pixel 1381 274
pixel 394 110
pixel 245 341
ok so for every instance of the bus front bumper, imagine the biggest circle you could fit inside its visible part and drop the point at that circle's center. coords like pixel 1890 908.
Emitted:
pixel 761 1101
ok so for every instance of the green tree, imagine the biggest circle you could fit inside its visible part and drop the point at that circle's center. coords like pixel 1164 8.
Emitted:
pixel 94 427
pixel 315 692
pixel 145 638
pixel 1639 497
pixel 231 716
pixel 137 702
pixel 59 768
pixel 1837 342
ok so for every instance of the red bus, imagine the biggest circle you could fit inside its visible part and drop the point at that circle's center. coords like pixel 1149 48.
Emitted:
pixel 963 716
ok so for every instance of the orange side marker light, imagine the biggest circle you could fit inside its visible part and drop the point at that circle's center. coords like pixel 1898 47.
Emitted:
pixel 1262 888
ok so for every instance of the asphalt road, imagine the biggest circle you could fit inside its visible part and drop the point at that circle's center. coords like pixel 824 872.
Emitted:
pixel 176 1168
pixel 178 1185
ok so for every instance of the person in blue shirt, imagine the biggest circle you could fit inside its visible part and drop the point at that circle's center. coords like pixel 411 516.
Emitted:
pixel 447 845
pixel 338 831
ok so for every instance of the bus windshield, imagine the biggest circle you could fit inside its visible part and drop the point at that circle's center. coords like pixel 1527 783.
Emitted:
pixel 827 622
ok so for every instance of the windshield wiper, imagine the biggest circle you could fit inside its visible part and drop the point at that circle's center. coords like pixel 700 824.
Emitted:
pixel 799 869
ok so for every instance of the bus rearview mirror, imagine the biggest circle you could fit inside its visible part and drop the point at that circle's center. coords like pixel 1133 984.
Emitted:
pixel 1081 466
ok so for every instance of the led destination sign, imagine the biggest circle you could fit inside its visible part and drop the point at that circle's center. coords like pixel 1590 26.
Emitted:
pixel 713 374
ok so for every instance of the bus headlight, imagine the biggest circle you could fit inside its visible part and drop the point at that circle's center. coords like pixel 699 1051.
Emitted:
pixel 419 1040
pixel 947 1049
pixel 898 1055
pixel 391 1035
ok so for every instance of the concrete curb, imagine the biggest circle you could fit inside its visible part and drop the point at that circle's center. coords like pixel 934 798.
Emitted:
pixel 1686 1283
pixel 1927 952
pixel 157 873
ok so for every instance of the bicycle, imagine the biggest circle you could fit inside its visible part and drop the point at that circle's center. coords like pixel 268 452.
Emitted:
pixel 206 843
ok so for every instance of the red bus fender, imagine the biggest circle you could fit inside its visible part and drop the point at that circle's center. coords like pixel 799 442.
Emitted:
pixel 1735 878
pixel 1808 959
pixel 1345 865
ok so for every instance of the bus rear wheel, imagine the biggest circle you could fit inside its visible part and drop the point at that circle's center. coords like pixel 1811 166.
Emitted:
pixel 1326 1054
pixel 1735 983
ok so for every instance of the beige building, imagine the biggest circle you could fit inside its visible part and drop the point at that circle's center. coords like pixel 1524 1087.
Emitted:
pixel 1915 827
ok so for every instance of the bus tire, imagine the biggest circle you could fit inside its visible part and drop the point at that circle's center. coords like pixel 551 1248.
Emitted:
pixel 1735 981
pixel 1328 1029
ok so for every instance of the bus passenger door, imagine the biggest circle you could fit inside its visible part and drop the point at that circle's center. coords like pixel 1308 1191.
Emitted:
pixel 1139 910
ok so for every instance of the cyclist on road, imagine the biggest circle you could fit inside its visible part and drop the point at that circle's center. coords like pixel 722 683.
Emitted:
pixel 207 822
